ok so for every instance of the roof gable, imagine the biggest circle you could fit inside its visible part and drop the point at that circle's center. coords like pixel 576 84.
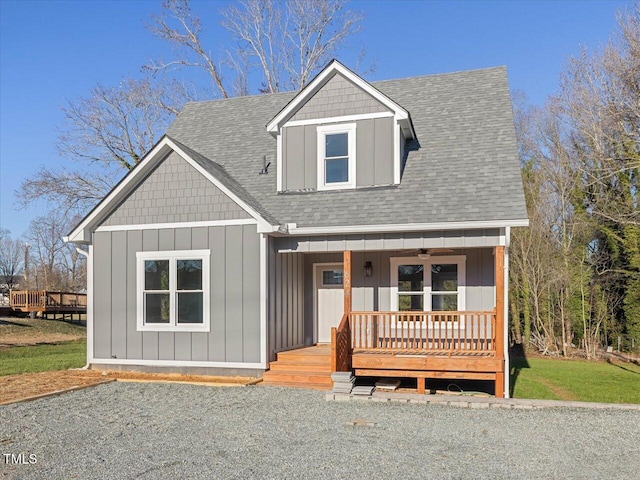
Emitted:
pixel 212 172
pixel 174 192
pixel 336 74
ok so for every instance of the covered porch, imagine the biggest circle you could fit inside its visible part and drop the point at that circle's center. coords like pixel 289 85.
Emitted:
pixel 400 332
pixel 430 344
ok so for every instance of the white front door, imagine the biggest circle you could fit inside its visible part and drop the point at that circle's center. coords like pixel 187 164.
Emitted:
pixel 329 297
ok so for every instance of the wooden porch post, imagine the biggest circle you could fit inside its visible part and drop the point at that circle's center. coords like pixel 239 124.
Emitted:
pixel 499 334
pixel 346 280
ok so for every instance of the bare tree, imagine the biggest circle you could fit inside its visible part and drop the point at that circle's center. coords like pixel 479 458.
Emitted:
pixel 286 42
pixel 48 251
pixel 11 260
pixel 179 26
pixel 109 131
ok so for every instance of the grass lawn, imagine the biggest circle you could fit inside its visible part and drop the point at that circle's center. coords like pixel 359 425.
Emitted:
pixel 556 379
pixel 41 358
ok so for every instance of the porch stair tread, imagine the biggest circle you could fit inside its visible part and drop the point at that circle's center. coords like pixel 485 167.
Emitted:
pixel 308 367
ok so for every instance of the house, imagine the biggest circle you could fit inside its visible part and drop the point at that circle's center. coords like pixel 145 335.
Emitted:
pixel 371 217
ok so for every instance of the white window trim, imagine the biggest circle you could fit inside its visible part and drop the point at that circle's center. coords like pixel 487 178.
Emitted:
pixel 173 256
pixel 322 130
pixel 459 260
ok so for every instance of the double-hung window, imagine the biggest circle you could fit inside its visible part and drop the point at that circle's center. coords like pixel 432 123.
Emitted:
pixel 173 291
pixel 336 156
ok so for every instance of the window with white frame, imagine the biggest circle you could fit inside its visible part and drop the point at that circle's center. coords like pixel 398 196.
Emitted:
pixel 336 156
pixel 432 284
pixel 173 290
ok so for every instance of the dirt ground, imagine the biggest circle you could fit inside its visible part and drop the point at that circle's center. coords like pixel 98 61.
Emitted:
pixel 15 331
pixel 16 387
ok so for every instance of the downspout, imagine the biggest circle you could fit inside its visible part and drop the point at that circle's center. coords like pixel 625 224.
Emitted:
pixel 89 256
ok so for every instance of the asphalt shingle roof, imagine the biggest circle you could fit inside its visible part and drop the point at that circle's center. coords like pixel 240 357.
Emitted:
pixel 463 167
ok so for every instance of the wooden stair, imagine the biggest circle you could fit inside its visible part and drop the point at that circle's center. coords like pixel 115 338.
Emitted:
pixel 308 367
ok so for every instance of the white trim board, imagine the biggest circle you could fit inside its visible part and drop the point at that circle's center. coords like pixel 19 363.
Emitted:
pixel 406 227
pixel 160 151
pixel 176 363
pixel 264 292
pixel 344 118
pixel 156 226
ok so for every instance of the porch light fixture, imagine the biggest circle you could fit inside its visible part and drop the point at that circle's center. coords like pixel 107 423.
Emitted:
pixel 367 269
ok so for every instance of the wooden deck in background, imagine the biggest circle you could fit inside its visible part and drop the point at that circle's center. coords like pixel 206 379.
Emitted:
pixel 44 302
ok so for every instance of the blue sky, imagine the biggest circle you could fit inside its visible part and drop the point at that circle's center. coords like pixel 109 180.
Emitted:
pixel 54 51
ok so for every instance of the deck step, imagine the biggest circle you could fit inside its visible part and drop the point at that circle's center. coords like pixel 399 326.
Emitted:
pixel 308 367
pixel 277 377
pixel 300 367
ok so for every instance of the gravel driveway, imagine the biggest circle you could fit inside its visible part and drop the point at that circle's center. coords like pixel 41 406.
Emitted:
pixel 130 430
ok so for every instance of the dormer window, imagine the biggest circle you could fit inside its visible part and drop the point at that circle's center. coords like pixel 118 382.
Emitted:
pixel 336 156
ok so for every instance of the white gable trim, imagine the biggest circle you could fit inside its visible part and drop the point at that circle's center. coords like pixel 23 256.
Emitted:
pixel 345 118
pixel 334 67
pixel 81 234
pixel 157 226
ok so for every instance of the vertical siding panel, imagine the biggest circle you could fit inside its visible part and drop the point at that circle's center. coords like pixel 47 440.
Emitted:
pixel 150 339
pixel 217 244
pixel 301 298
pixel 310 156
pixel 134 337
pixel 294 151
pixel 365 153
pixel 293 289
pixel 272 299
pixel 233 312
pixel 383 152
pixel 308 294
pixel 278 301
pixel 166 340
pixel 200 340
pixel 183 339
pixel 251 294
pixel 102 302
pixel 290 322
pixel 384 293
pixel 487 276
pixel 118 295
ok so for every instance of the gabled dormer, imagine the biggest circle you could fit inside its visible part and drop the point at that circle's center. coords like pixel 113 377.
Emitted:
pixel 339 132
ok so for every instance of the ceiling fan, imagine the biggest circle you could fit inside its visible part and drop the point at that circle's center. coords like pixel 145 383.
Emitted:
pixel 424 253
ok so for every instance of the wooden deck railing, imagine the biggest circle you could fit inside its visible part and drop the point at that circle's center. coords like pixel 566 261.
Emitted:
pixel 341 346
pixel 41 300
pixel 444 332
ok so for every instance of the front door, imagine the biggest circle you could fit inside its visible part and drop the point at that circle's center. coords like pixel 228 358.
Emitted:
pixel 329 299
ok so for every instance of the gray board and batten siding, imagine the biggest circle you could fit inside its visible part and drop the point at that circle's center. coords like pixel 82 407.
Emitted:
pixel 285 301
pixel 374 154
pixel 374 137
pixel 234 300
pixel 175 192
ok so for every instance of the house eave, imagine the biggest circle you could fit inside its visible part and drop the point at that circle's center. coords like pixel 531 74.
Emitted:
pixel 292 229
